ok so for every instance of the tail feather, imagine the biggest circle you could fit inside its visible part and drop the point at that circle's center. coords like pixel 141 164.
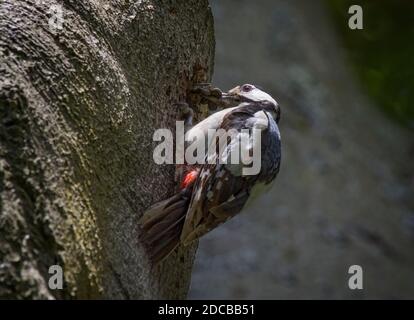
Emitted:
pixel 159 230
pixel 156 212
pixel 163 252
pixel 161 226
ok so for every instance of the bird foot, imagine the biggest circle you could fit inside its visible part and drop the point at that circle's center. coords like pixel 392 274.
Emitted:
pixel 186 114
pixel 206 94
pixel 207 90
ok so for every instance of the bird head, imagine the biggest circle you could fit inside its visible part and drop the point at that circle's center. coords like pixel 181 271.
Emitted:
pixel 250 93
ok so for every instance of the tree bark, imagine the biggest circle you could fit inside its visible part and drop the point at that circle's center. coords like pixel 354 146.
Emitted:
pixel 78 108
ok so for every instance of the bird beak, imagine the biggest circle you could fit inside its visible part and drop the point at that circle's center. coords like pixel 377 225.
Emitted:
pixel 233 92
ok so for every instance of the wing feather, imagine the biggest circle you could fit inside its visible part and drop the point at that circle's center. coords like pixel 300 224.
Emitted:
pixel 219 193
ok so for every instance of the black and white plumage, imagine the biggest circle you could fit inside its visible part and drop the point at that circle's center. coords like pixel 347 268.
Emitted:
pixel 213 192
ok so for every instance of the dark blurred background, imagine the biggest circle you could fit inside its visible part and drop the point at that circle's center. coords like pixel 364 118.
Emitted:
pixel 345 193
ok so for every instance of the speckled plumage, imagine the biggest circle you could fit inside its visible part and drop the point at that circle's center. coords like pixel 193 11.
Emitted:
pixel 218 189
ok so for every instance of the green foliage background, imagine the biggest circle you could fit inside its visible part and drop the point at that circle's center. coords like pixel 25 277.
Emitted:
pixel 383 52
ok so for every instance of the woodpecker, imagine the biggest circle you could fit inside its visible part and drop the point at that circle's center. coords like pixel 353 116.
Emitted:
pixel 215 191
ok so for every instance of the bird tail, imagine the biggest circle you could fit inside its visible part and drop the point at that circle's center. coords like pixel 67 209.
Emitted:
pixel 162 224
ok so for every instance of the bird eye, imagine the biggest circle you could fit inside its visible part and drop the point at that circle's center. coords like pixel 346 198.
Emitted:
pixel 247 87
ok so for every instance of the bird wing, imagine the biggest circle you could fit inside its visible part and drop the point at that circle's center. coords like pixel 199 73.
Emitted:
pixel 221 191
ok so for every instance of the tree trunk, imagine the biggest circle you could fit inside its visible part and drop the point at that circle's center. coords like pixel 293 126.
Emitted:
pixel 78 107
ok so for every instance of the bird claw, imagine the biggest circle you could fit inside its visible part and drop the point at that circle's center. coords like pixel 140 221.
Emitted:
pixel 184 109
pixel 186 114
pixel 206 94
pixel 207 90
